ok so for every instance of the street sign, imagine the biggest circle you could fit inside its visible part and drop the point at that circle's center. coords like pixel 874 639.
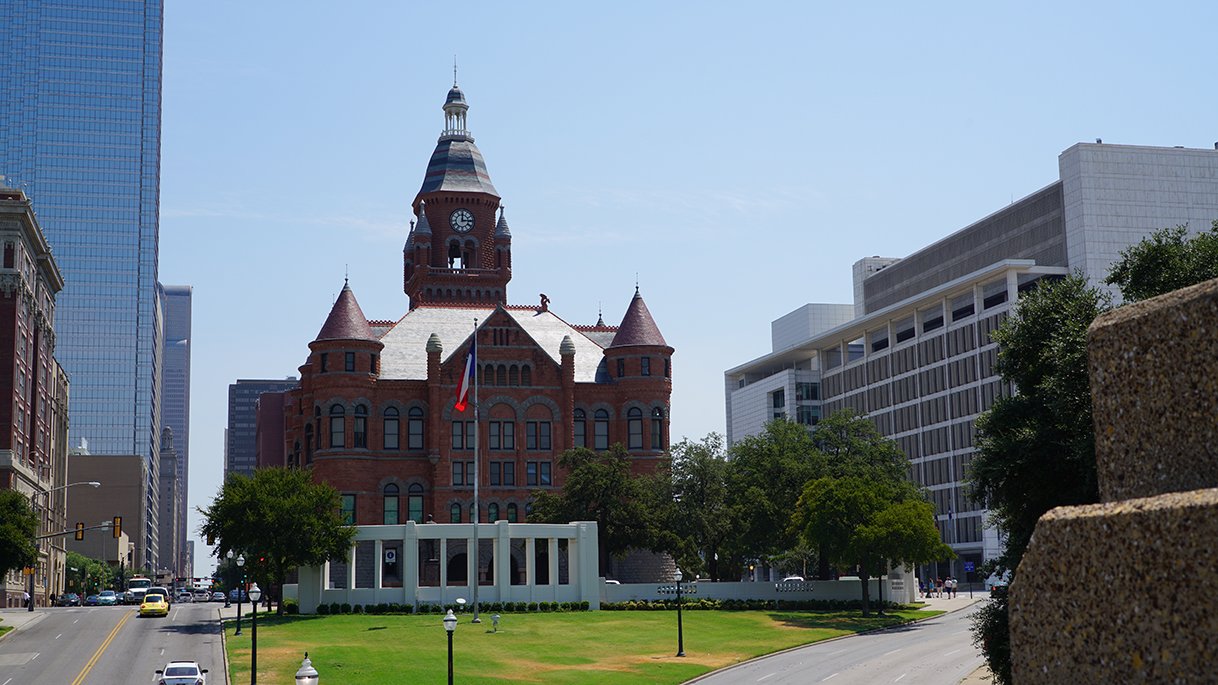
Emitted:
pixel 968 567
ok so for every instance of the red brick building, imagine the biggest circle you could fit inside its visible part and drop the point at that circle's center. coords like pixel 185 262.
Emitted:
pixel 375 414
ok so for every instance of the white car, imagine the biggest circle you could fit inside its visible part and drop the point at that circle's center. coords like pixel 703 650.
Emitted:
pixel 182 673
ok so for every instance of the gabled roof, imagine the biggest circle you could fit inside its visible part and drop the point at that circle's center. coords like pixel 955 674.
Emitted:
pixel 638 328
pixel 405 354
pixel 346 320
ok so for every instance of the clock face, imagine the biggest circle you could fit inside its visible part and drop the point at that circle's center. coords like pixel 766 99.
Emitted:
pixel 461 220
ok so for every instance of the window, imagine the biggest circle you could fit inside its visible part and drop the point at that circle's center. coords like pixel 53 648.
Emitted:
pixel 317 420
pixel 780 398
pixel 463 473
pixel 580 431
pixel 544 469
pixel 634 425
pixel 514 375
pixel 667 367
pixel 325 358
pixel 391 505
pixel 601 436
pixel 530 470
pixel 495 469
pixel 414 428
pixel 526 376
pixel 415 506
pixel 359 436
pixel 502 435
pixel 621 368
pixel 807 415
pixel 347 512
pixel 509 473
pixel 807 391
pixel 337 425
pixel 537 435
pixel 308 443
pixel 373 363
pixel 657 429
pixel 391 428
pixel 511 512
pixel 501 375
pixel 454 513
pixel 463 435
pixel 349 361
pixel 646 366
pixel 492 512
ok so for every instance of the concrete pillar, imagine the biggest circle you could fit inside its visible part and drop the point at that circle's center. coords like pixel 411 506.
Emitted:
pixel 503 558
pixel 530 562
pixel 378 562
pixel 443 563
pixel 553 552
pixel 351 569
pixel 410 560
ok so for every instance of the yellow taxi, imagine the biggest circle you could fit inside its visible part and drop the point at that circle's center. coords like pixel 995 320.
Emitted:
pixel 154 605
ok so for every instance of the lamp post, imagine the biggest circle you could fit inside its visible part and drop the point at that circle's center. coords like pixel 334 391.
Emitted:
pixel 680 634
pixel 240 589
pixel 227 604
pixel 450 624
pixel 255 595
pixel 307 675
pixel 34 503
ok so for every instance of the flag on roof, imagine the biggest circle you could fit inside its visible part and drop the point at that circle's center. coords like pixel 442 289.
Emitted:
pixel 467 381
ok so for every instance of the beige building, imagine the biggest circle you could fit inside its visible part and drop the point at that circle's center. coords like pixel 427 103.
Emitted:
pixel 125 484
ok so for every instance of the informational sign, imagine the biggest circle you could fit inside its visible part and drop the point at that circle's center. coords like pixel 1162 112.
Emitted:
pixel 391 556
pixel 968 567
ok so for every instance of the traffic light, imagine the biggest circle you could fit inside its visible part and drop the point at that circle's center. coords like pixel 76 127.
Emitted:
pixel 211 540
pixel 118 526
pixel 80 531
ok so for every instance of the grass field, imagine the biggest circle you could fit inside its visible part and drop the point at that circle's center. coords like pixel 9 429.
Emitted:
pixel 575 648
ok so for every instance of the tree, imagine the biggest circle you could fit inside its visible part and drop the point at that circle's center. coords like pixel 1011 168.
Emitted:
pixel 868 523
pixel 599 487
pixel 765 477
pixel 691 498
pixel 854 448
pixel 18 527
pixel 279 519
pixel 1166 260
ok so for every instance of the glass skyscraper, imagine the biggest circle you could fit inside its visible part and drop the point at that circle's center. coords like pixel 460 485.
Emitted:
pixel 175 395
pixel 80 132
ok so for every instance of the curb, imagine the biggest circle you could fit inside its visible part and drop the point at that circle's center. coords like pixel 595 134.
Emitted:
pixel 32 621
pixel 223 644
pixel 821 642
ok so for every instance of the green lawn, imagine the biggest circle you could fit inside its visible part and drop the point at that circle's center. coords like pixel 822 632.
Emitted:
pixel 584 647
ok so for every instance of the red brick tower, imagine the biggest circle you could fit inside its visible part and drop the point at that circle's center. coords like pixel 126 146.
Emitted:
pixel 456 253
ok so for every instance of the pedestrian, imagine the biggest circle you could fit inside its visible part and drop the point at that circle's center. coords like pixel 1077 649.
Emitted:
pixel 952 580
pixel 939 588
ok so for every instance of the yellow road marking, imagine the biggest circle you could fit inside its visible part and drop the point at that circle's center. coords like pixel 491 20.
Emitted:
pixel 101 649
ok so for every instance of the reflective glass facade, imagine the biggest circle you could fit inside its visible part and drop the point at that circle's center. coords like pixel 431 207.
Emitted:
pixel 175 394
pixel 80 129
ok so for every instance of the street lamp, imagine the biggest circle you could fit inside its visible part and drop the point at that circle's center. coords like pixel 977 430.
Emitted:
pixel 680 634
pixel 307 675
pixel 34 503
pixel 450 624
pixel 240 589
pixel 227 603
pixel 255 595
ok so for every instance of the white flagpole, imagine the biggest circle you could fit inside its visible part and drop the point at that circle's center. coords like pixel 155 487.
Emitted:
pixel 477 467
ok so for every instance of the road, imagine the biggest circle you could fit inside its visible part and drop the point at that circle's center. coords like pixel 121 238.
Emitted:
pixel 936 651
pixel 110 645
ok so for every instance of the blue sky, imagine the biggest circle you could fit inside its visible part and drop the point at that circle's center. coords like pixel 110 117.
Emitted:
pixel 736 158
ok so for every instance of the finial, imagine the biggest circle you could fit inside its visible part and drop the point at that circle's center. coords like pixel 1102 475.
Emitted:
pixel 346 274
pixel 454 71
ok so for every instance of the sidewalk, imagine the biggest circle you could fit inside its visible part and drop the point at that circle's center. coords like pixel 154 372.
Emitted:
pixel 15 618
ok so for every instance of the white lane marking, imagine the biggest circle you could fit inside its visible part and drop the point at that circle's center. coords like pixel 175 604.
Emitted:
pixel 76 621
pixel 35 656
pixel 162 652
pixel 829 677
pixel 765 676
pixel 59 636
pixel 959 632
pixel 838 652
pixel 8 681
pixel 893 651
pixel 900 676
pixel 953 652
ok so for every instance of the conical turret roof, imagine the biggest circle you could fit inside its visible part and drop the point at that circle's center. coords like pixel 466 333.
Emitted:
pixel 638 328
pixel 346 320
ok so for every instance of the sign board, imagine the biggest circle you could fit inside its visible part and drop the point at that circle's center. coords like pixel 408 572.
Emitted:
pixel 391 556
pixel 968 567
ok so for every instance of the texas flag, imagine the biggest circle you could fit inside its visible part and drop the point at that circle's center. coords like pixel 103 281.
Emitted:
pixel 467 381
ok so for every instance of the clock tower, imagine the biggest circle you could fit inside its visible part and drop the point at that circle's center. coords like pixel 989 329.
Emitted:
pixel 458 250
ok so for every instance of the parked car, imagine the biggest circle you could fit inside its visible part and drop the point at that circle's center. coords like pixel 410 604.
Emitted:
pixel 154 605
pixel 232 595
pixel 91 601
pixel 182 673
pixel 217 596
pixel 107 598
pixel 158 591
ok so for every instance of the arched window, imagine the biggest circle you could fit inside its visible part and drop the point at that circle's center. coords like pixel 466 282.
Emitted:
pixel 338 425
pixel 391 505
pixel 580 429
pixel 359 437
pixel 473 514
pixel 454 513
pixel 294 457
pixel 634 425
pixel 528 511
pixel 601 435
pixel 308 443
pixel 501 375
pixel 481 376
pixel 492 512
pixel 657 429
pixel 514 375
pixel 414 504
pixel 392 441
pixel 526 376
pixel 415 429
pixel 511 513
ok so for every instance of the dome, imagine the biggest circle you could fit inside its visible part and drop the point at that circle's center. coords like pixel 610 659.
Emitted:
pixel 455 96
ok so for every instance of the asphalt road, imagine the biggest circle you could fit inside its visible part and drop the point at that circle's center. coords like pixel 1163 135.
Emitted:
pixel 937 651
pixel 110 646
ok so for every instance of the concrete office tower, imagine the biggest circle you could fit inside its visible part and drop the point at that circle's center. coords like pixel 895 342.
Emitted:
pixel 171 507
pixel 80 132
pixel 240 451
pixel 175 402
pixel 918 358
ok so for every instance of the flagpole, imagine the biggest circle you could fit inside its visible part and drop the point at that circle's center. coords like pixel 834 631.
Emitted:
pixel 477 469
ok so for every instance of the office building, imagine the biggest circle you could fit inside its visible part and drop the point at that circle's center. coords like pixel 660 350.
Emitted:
pixel 241 445
pixel 125 481
pixel 917 358
pixel 175 401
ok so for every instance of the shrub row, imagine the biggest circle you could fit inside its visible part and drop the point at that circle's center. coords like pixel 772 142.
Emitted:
pixel 483 607
pixel 745 605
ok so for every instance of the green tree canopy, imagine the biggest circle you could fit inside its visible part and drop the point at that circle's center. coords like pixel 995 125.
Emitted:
pixel 1166 260
pixel 18 526
pixel 868 523
pixel 690 496
pixel 599 487
pixel 278 519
